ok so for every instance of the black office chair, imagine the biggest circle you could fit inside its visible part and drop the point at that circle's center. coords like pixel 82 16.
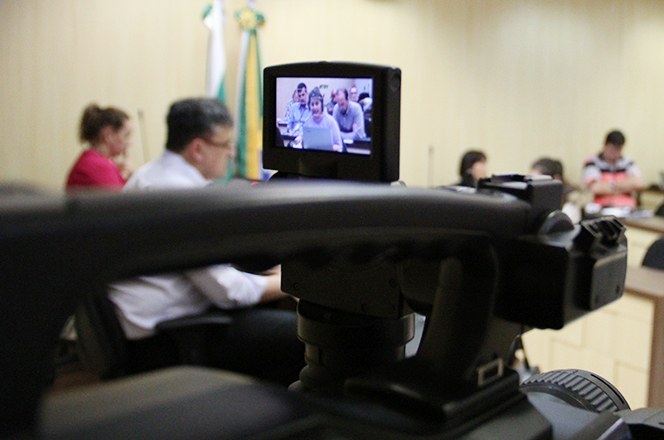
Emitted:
pixel 655 255
pixel 102 347
pixel 660 211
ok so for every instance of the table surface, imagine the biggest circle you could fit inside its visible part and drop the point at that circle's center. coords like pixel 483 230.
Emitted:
pixel 645 281
pixel 653 224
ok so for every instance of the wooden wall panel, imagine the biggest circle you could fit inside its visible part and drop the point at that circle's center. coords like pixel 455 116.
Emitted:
pixel 519 79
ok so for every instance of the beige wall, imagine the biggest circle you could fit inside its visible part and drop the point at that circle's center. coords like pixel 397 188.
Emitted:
pixel 516 78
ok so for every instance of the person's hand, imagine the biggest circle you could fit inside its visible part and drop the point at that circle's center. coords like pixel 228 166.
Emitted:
pixel 125 166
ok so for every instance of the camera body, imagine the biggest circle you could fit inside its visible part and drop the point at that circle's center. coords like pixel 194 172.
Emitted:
pixel 493 263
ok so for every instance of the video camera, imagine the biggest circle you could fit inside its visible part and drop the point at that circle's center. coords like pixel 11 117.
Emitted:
pixel 493 264
pixel 362 255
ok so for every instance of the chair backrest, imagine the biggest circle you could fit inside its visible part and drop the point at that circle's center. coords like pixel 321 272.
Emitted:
pixel 103 348
pixel 655 255
pixel 660 211
pixel 100 341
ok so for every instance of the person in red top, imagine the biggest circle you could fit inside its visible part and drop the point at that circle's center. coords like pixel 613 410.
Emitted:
pixel 107 133
pixel 613 178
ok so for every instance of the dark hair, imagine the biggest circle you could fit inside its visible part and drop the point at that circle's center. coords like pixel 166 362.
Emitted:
pixel 195 117
pixel 549 167
pixel 362 96
pixel 315 94
pixel 469 159
pixel 301 86
pixel 95 118
pixel 616 138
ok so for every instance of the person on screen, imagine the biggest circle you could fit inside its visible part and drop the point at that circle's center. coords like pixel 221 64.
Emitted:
pixel 352 94
pixel 299 111
pixel 612 177
pixel 320 119
pixel 294 99
pixel 102 165
pixel 349 116
pixel 365 102
pixel 333 100
pixel 260 341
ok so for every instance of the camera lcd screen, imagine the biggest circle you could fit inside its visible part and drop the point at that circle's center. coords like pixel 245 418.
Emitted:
pixel 325 114
pixel 332 120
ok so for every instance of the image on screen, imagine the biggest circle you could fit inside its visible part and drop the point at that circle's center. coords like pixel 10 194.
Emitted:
pixel 324 114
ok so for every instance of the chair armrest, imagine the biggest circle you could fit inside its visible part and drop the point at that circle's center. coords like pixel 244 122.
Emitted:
pixel 192 333
pixel 193 321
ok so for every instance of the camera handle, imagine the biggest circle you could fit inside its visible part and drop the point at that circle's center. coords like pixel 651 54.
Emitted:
pixel 458 374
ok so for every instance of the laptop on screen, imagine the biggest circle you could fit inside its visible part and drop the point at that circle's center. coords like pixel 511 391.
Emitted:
pixel 316 138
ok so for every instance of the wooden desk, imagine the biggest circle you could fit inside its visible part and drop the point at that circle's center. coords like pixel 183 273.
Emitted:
pixel 641 232
pixel 649 284
pixel 651 198
pixel 622 342
pixel 652 224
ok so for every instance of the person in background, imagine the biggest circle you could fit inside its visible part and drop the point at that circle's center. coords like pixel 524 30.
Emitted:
pixel 333 100
pixel 365 102
pixel 349 116
pixel 107 134
pixel 472 168
pixel 299 111
pixel 261 341
pixel 612 177
pixel 573 200
pixel 352 94
pixel 294 99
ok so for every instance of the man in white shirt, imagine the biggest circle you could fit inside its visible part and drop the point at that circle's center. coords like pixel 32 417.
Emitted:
pixel 260 341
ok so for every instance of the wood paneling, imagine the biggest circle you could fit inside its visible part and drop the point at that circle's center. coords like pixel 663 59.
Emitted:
pixel 519 79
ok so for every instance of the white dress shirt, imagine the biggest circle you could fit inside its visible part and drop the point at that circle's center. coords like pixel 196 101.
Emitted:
pixel 145 301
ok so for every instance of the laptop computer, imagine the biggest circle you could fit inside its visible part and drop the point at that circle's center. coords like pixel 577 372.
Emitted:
pixel 316 138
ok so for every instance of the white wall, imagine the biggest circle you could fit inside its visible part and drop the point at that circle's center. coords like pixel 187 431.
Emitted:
pixel 517 78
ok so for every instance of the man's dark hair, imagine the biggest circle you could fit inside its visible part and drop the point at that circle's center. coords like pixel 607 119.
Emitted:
pixel 616 138
pixel 549 167
pixel 196 117
pixel 301 86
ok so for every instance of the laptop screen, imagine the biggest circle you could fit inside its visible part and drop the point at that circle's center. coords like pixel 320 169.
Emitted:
pixel 314 138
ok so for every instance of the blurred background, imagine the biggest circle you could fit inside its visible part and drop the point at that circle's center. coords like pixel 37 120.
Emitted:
pixel 518 79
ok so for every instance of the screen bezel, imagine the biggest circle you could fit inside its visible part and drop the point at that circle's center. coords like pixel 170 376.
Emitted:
pixel 381 165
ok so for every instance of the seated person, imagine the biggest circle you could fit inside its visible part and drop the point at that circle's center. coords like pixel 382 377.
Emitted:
pixel 333 100
pixel 261 342
pixel 612 177
pixel 102 165
pixel 294 99
pixel 472 168
pixel 366 102
pixel 353 94
pixel 299 111
pixel 320 119
pixel 572 199
pixel 349 116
